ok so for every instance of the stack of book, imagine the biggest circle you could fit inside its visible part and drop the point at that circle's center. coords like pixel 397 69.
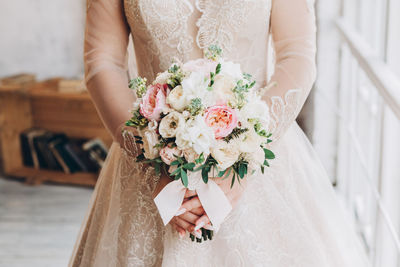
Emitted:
pixel 42 149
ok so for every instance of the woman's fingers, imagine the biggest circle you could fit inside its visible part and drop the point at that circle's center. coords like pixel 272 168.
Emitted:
pixel 183 224
pixel 190 217
pixel 198 211
pixel 192 203
pixel 190 193
pixel 201 222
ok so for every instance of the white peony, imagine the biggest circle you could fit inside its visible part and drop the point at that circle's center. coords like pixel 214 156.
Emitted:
pixel 222 88
pixel 170 124
pixel 226 154
pixel 197 135
pixel 195 86
pixel 231 69
pixel 177 100
pixel 150 139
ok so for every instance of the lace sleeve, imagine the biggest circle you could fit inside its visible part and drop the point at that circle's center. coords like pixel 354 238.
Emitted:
pixel 294 38
pixel 106 41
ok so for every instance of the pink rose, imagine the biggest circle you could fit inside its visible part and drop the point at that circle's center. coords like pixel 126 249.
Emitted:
pixel 168 154
pixel 222 119
pixel 154 101
pixel 202 65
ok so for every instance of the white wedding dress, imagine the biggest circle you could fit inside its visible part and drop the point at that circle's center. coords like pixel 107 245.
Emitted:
pixel 288 216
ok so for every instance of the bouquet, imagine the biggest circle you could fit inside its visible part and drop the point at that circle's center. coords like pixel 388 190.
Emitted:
pixel 200 119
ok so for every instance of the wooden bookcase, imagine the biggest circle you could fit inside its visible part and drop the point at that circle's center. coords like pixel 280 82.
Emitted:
pixel 25 103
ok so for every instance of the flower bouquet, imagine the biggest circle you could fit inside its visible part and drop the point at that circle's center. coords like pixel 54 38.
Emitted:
pixel 201 119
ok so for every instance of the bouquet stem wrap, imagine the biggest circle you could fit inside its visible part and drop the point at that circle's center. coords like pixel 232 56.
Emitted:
pixel 213 199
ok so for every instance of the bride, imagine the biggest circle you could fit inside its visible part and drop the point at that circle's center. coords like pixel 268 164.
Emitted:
pixel 288 216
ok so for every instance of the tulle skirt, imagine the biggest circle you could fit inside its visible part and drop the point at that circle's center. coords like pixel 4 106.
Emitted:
pixel 288 216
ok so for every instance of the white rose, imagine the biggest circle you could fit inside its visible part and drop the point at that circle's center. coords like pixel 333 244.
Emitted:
pixel 170 124
pixel 226 154
pixel 222 88
pixel 162 77
pixel 231 69
pixel 150 139
pixel 177 99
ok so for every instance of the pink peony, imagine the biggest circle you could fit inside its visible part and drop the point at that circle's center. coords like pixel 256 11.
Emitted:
pixel 168 154
pixel 154 101
pixel 222 119
pixel 202 65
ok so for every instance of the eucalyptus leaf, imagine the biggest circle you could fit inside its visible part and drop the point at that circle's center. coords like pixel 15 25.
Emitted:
pixel 184 177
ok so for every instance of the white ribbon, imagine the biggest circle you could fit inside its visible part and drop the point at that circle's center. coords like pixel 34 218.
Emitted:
pixel 213 199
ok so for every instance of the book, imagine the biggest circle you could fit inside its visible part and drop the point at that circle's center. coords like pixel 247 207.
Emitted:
pixel 97 151
pixel 46 157
pixel 80 156
pixel 30 157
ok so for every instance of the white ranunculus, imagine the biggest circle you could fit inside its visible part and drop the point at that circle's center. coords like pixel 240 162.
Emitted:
pixel 150 139
pixel 222 88
pixel 231 69
pixel 226 154
pixel 170 124
pixel 162 77
pixel 197 135
pixel 177 100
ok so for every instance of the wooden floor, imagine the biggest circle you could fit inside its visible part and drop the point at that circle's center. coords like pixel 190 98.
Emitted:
pixel 39 225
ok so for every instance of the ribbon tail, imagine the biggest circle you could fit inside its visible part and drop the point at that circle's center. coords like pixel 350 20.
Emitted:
pixel 214 202
pixel 169 200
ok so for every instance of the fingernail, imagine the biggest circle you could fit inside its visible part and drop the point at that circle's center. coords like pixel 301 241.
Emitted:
pixel 209 227
pixel 198 226
pixel 181 235
pixel 180 212
pixel 197 234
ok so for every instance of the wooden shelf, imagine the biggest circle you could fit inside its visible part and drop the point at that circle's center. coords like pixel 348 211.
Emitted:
pixel 35 177
pixel 26 103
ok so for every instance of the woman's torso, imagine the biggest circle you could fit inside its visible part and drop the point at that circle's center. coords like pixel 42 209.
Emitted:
pixel 168 30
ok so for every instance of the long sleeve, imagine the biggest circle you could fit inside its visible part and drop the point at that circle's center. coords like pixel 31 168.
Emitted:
pixel 294 38
pixel 106 41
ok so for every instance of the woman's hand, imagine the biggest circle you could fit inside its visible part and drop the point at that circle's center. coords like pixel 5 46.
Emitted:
pixel 184 220
pixel 125 136
pixel 193 203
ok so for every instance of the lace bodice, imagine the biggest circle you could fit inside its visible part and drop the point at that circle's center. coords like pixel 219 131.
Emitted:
pixel 168 30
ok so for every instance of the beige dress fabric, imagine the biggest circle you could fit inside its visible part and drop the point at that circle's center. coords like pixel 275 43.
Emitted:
pixel 288 216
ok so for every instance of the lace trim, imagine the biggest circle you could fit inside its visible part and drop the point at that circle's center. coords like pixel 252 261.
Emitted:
pixel 284 111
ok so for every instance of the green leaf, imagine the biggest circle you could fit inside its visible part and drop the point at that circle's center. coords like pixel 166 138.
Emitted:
pixel 176 171
pixel 262 169
pixel 157 168
pixel 175 163
pixel 218 68
pixel 222 173
pixel 233 180
pixel 269 154
pixel 266 163
pixel 200 168
pixel 184 177
pixel 189 166
pixel 204 174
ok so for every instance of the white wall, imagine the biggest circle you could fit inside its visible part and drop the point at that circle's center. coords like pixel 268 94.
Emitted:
pixel 44 37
